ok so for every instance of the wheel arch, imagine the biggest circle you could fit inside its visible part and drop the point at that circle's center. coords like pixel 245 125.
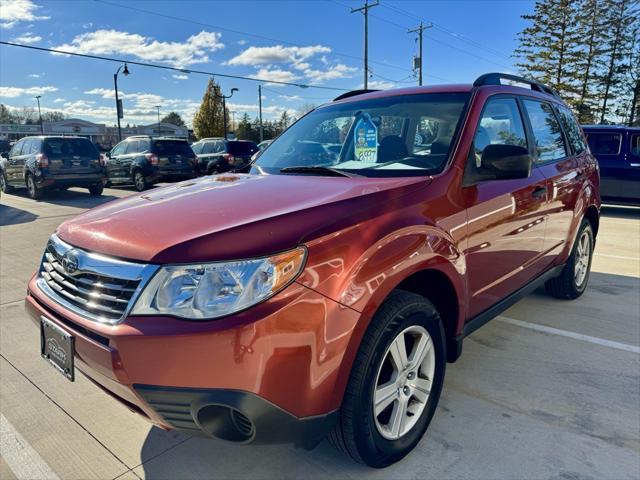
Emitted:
pixel 593 215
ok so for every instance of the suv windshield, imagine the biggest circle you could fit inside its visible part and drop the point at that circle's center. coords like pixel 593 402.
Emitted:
pixel 65 147
pixel 172 147
pixel 391 136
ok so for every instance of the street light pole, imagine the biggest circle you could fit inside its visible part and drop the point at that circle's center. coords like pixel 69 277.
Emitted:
pixel 224 109
pixel 40 114
pixel 119 112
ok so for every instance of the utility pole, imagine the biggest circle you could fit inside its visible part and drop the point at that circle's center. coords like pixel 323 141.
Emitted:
pixel 260 111
pixel 40 114
pixel 417 64
pixel 365 10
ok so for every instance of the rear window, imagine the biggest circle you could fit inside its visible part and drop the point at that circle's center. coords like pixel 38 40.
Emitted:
pixel 604 143
pixel 242 148
pixel 172 147
pixel 75 147
pixel 572 130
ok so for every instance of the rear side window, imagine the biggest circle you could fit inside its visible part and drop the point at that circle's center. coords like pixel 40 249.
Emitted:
pixel 605 143
pixel 634 145
pixel 75 147
pixel 132 147
pixel 210 147
pixel 501 124
pixel 571 129
pixel 171 147
pixel 31 146
pixel 546 132
pixel 242 148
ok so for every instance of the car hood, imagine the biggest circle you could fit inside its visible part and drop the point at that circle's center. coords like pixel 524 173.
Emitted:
pixel 230 216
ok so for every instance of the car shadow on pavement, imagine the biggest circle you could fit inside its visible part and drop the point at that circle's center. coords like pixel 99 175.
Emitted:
pixel 15 216
pixel 619 211
pixel 197 457
pixel 70 198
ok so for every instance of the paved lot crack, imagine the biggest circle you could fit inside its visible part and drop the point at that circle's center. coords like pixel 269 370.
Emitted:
pixel 69 415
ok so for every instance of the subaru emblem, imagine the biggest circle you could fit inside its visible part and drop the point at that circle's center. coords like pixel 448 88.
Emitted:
pixel 70 262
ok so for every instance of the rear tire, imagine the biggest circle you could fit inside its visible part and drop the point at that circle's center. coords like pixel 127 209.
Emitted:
pixel 573 280
pixel 35 192
pixel 378 385
pixel 96 189
pixel 4 185
pixel 139 181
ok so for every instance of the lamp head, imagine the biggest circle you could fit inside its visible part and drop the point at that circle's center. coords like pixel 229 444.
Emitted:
pixel 126 70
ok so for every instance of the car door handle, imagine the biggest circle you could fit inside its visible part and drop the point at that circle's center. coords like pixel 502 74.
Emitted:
pixel 539 192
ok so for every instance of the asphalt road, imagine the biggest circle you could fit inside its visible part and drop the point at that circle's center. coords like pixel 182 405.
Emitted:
pixel 549 390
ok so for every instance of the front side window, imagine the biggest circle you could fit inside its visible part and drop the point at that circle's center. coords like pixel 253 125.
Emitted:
pixel 572 130
pixel 546 131
pixel 391 136
pixel 15 151
pixel 500 124
pixel 197 148
pixel 634 146
pixel 118 149
pixel 605 143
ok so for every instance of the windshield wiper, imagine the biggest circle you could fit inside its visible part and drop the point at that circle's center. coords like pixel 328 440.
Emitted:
pixel 336 172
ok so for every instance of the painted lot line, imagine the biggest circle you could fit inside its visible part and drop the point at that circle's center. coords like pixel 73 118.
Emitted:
pixel 566 333
pixel 22 459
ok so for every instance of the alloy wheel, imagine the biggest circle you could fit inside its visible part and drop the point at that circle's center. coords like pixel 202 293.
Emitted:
pixel 403 383
pixel 583 257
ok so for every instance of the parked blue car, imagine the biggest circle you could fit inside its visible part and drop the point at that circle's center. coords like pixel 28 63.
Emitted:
pixel 617 149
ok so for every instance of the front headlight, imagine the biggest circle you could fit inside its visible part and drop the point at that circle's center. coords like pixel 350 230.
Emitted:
pixel 212 290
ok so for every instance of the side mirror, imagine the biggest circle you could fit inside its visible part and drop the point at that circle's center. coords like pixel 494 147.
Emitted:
pixel 506 161
pixel 107 154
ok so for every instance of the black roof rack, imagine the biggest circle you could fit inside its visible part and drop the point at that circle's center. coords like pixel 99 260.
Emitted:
pixel 494 79
pixel 353 93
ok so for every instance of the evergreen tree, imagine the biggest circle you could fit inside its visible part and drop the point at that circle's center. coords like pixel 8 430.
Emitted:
pixel 245 129
pixel 208 120
pixel 5 115
pixel 284 121
pixel 633 73
pixel 174 119
pixel 549 43
pixel 617 43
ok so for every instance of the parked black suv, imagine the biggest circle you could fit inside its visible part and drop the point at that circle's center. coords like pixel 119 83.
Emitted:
pixel 217 155
pixel 52 162
pixel 143 161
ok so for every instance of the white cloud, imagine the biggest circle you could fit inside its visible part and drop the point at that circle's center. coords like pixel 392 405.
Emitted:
pixel 380 84
pixel 337 71
pixel 27 38
pixel 241 42
pixel 87 26
pixel 276 54
pixel 178 54
pixel 33 75
pixel 291 98
pixel 275 74
pixel 180 76
pixel 13 92
pixel 14 11
pixel 59 100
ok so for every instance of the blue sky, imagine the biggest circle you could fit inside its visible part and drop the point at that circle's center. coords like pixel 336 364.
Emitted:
pixel 306 41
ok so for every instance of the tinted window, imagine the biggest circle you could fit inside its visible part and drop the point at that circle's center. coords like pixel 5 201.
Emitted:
pixel 604 143
pixel 64 147
pixel 172 147
pixel 370 137
pixel 571 129
pixel 242 148
pixel 119 149
pixel 546 131
pixel 501 124
pixel 197 148
pixel 634 145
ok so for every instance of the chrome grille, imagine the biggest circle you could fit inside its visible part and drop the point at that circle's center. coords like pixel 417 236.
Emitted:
pixel 98 287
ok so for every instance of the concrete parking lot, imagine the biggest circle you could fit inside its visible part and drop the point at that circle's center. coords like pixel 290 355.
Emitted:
pixel 551 389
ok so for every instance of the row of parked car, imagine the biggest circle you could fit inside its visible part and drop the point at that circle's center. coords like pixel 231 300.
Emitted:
pixel 45 162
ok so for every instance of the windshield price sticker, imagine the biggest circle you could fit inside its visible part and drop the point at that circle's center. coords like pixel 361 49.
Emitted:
pixel 366 141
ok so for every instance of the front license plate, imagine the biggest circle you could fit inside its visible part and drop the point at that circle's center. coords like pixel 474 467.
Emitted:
pixel 57 347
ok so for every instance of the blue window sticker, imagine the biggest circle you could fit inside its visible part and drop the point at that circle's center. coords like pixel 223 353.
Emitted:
pixel 366 140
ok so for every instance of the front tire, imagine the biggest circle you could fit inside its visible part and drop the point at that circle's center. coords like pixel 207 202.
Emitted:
pixel 35 192
pixel 395 382
pixel 573 280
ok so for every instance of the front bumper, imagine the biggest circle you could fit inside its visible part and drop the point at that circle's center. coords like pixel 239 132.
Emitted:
pixel 273 370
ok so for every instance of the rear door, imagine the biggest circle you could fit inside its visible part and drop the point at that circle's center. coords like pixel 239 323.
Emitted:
pixel 564 170
pixel 71 156
pixel 506 217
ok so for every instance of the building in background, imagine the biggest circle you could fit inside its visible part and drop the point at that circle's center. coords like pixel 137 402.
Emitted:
pixel 106 136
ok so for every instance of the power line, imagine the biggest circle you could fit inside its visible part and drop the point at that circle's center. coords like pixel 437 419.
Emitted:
pixel 240 32
pixel 174 69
